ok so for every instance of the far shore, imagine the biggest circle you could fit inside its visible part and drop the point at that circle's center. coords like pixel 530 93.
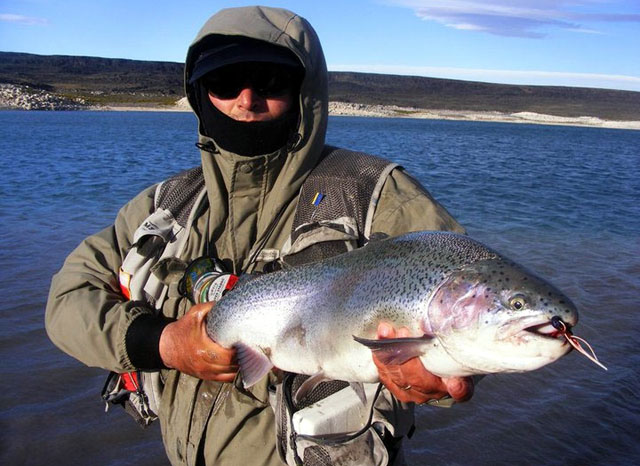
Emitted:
pixel 25 98
pixel 392 111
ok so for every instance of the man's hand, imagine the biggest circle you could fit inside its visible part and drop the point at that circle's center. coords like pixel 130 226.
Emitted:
pixel 185 346
pixel 411 382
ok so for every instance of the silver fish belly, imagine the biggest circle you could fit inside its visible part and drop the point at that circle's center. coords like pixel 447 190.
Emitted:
pixel 472 311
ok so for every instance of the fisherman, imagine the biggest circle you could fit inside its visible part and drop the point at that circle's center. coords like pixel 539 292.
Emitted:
pixel 257 80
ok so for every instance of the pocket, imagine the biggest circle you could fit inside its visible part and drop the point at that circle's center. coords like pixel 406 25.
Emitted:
pixel 365 449
pixel 319 240
pixel 362 447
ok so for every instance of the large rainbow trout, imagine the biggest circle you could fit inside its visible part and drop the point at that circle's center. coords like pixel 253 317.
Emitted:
pixel 472 311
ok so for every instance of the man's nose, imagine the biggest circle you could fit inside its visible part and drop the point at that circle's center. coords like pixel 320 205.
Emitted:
pixel 248 98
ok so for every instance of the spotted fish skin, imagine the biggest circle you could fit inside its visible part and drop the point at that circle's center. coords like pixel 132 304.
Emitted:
pixel 476 312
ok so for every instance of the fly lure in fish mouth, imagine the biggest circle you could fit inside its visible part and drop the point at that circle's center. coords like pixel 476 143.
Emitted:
pixel 575 341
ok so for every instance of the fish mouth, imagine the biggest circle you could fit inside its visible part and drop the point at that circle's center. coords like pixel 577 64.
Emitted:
pixel 527 329
pixel 545 330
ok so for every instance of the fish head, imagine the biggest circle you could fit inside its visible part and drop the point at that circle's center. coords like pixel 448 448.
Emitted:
pixel 495 316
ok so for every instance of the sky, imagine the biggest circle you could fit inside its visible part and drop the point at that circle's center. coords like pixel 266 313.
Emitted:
pixel 586 43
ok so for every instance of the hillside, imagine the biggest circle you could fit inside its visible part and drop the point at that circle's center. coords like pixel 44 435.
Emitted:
pixel 107 81
pixel 97 80
pixel 410 91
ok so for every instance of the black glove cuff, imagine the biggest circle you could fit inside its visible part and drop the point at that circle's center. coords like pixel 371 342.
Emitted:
pixel 143 341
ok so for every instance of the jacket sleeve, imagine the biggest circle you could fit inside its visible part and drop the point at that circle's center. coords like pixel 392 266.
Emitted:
pixel 88 317
pixel 405 206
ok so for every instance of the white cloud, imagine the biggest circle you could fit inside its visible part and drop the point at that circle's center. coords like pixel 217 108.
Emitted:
pixel 467 27
pixel 24 20
pixel 516 18
pixel 539 78
pixel 585 31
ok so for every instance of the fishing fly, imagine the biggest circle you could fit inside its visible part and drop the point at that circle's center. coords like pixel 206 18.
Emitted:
pixel 575 341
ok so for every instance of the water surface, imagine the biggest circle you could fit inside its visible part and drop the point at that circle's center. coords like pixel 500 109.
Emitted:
pixel 561 200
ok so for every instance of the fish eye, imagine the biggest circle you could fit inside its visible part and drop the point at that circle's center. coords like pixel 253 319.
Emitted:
pixel 517 302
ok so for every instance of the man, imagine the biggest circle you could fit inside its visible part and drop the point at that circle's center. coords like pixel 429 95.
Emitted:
pixel 257 80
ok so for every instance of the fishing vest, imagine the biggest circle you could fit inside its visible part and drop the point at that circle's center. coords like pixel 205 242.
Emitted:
pixel 334 215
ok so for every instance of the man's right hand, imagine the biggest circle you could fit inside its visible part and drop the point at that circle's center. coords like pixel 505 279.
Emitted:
pixel 186 347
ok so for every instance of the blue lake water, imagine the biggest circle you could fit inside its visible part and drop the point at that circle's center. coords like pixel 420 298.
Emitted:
pixel 564 201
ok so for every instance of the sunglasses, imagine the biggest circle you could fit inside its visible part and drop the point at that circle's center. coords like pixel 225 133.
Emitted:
pixel 266 80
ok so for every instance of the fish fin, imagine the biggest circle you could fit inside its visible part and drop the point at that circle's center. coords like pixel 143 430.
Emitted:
pixel 308 385
pixel 395 350
pixel 253 364
pixel 359 389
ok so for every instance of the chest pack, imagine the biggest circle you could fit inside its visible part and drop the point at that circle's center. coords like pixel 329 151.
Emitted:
pixel 162 235
pixel 334 215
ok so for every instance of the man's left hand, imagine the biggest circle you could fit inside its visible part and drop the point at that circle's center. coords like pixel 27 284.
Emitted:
pixel 411 382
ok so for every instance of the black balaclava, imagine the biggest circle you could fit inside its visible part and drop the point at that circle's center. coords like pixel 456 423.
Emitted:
pixel 246 138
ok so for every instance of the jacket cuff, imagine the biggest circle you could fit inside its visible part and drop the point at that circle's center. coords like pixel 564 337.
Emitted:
pixel 142 341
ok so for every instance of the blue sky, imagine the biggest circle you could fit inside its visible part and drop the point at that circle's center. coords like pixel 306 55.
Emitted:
pixel 594 43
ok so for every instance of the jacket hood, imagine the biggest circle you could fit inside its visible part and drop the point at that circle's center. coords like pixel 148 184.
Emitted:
pixel 278 27
pixel 286 174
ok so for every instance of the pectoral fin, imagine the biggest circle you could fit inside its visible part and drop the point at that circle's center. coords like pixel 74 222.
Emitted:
pixel 396 350
pixel 253 364
pixel 307 386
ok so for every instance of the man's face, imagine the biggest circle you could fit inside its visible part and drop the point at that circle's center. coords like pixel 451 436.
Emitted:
pixel 251 91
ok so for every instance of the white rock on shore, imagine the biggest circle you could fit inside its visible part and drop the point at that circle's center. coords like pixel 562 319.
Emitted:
pixel 392 111
pixel 181 105
pixel 26 98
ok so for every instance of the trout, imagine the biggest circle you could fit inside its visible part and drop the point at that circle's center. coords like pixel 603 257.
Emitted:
pixel 472 311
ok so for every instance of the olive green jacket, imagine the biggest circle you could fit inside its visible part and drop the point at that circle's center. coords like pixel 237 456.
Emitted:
pixel 88 318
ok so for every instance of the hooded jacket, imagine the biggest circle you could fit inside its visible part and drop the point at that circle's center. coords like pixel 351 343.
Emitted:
pixel 88 318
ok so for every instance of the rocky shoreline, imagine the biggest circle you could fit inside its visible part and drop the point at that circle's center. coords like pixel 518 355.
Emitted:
pixel 13 97
pixel 392 111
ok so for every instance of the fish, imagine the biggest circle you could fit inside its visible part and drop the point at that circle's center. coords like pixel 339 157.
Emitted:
pixel 469 309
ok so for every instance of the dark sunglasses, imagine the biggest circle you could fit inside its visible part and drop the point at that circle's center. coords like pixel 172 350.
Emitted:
pixel 266 80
